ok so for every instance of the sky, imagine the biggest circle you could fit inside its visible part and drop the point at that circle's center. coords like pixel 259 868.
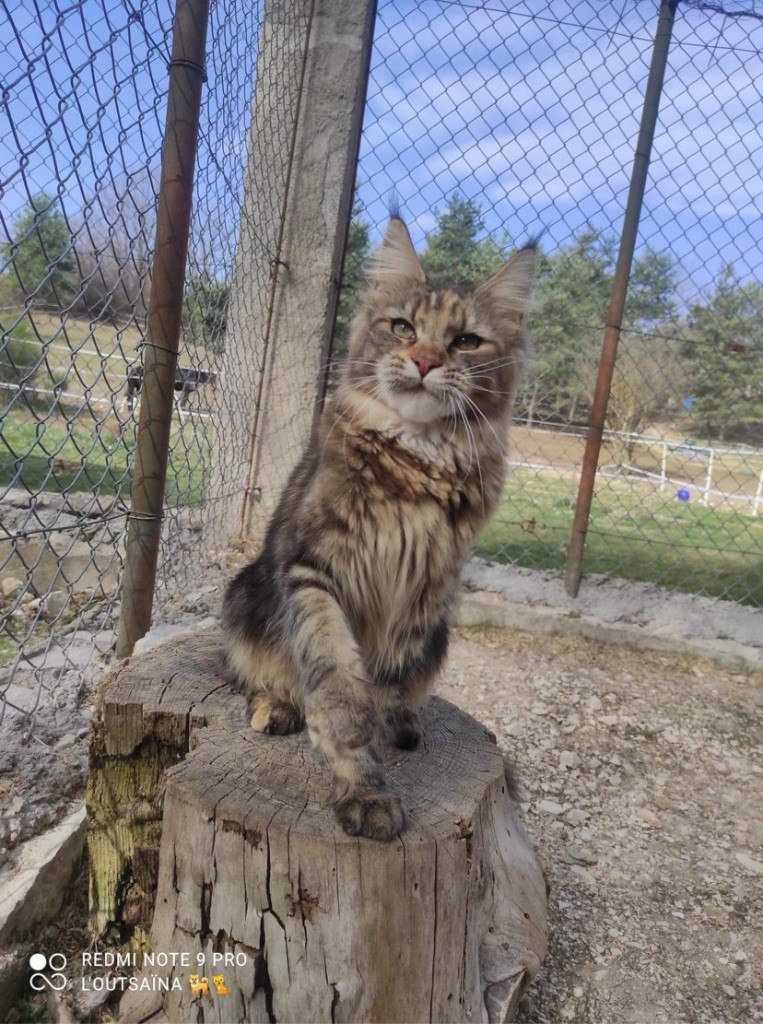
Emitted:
pixel 530 108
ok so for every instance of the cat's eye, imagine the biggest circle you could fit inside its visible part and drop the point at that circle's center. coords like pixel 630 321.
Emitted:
pixel 467 342
pixel 403 330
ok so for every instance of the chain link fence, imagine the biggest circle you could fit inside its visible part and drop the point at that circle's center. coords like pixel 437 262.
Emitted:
pixel 497 122
pixel 85 96
pixel 494 122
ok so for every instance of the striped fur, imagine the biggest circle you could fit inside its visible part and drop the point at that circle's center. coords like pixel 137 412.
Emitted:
pixel 342 620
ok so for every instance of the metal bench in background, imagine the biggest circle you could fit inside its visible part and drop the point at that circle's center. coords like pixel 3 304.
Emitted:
pixel 187 380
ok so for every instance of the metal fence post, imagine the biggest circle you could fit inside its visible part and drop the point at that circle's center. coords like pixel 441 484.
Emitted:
pixel 619 294
pixel 186 76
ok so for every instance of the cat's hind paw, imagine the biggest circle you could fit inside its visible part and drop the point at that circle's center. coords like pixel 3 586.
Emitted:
pixel 275 717
pixel 402 728
pixel 408 733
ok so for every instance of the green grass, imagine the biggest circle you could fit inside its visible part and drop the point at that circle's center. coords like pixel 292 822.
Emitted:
pixel 81 455
pixel 635 533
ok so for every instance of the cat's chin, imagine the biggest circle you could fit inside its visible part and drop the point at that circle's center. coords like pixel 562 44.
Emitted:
pixel 418 407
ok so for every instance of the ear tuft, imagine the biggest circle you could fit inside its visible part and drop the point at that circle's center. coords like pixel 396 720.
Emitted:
pixel 396 259
pixel 511 288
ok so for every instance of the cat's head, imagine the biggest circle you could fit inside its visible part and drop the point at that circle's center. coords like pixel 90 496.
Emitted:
pixel 438 354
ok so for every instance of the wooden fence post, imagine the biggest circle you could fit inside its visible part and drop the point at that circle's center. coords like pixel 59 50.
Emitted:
pixel 308 111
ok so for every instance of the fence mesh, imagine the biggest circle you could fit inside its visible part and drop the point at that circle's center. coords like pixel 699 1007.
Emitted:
pixel 498 122
pixel 82 126
pixel 494 122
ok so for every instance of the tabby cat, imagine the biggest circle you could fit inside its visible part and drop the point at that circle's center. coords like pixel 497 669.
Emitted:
pixel 342 621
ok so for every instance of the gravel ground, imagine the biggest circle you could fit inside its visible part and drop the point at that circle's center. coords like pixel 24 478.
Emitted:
pixel 642 779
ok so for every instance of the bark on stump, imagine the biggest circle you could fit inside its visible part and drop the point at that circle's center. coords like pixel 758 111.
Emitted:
pixel 447 924
pixel 150 709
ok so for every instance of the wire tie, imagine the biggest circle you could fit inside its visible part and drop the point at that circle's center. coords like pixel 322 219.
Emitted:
pixel 147 517
pixel 162 348
pixel 193 65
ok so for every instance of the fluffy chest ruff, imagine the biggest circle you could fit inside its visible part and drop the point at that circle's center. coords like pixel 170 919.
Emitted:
pixel 394 516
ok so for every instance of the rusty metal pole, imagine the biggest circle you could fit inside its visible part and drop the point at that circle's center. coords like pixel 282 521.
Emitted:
pixel 186 76
pixel 619 293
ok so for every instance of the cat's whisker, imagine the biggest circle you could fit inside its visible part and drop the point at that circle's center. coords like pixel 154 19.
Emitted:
pixel 498 361
pixel 489 391
pixel 473 440
pixel 480 413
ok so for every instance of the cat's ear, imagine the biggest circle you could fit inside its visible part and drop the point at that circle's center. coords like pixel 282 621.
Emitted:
pixel 396 259
pixel 511 288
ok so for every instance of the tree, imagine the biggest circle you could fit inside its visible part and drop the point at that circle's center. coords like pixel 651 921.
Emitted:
pixel 356 256
pixel 206 312
pixel 455 253
pixel 567 323
pixel 568 320
pixel 20 358
pixel 112 249
pixel 724 347
pixel 651 290
pixel 41 254
pixel 648 376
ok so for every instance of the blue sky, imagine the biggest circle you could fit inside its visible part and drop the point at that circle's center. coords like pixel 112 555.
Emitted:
pixel 533 114
pixel 536 116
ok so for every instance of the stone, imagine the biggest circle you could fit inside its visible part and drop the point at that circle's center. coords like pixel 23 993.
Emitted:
pixel 581 855
pixel 648 817
pixel 576 816
pixel 755 867
pixel 32 895
pixel 55 604
pixel 569 759
pixel 10 585
pixel 550 807
pixel 74 656
pixel 584 873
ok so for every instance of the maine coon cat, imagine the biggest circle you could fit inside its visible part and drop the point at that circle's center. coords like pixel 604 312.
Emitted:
pixel 342 621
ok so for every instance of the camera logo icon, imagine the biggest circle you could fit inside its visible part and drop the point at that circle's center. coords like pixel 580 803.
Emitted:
pixel 55 963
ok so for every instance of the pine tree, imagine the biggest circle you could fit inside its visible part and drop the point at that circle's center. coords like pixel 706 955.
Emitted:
pixel 41 254
pixel 356 257
pixel 724 346
pixel 567 325
pixel 455 253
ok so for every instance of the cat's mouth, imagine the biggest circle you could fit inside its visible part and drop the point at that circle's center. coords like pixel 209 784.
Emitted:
pixel 416 401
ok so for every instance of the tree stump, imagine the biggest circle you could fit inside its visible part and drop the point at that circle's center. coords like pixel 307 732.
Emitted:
pixel 150 709
pixel 259 884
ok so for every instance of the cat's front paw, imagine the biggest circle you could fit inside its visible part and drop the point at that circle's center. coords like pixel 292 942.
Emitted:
pixel 375 814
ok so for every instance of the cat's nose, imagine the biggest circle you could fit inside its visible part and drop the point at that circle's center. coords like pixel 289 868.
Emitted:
pixel 425 364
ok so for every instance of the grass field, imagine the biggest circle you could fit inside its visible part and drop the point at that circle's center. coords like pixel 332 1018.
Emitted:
pixel 58 455
pixel 634 533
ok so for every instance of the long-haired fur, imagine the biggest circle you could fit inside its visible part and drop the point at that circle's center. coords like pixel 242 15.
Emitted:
pixel 342 621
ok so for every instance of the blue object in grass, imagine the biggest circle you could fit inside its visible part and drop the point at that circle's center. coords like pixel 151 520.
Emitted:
pixel 683 494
